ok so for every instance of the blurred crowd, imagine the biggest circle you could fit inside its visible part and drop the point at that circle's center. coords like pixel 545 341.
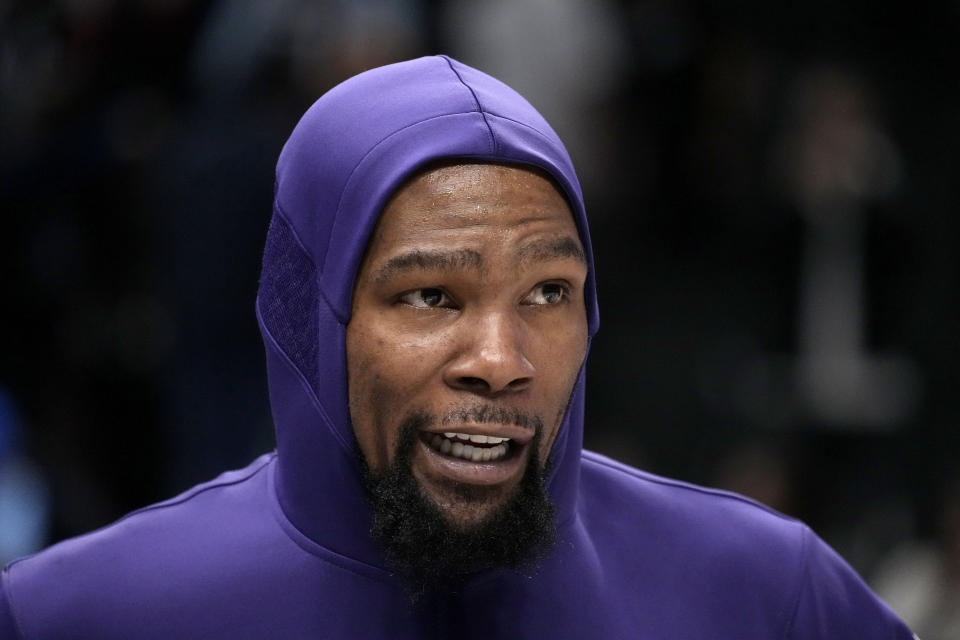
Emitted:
pixel 772 197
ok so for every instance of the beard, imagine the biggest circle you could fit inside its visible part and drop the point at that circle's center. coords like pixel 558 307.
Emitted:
pixel 432 553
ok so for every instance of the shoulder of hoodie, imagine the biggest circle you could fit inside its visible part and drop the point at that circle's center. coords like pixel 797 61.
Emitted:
pixel 719 549
pixel 215 528
pixel 199 506
pixel 723 534
pixel 612 482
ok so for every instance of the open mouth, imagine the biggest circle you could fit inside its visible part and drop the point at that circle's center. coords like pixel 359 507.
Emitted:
pixel 471 447
pixel 495 458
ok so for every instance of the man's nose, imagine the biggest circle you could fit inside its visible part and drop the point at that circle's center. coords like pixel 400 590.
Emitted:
pixel 492 359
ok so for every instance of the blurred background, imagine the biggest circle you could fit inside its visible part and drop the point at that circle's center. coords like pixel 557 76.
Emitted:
pixel 773 203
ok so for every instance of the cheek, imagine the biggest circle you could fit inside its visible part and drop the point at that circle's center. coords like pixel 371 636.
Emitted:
pixel 365 386
pixel 387 377
pixel 562 354
pixel 560 350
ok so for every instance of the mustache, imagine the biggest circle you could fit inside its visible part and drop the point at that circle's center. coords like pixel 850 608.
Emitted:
pixel 476 414
pixel 492 414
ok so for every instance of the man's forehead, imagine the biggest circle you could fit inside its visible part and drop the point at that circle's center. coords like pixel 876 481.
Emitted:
pixel 431 220
pixel 459 195
pixel 464 175
pixel 453 182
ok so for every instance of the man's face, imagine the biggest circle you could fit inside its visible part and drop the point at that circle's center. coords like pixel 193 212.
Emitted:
pixel 469 322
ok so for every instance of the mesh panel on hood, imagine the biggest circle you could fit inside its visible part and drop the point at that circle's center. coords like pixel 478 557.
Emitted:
pixel 288 297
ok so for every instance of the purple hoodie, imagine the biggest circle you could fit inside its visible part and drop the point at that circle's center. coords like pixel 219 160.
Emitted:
pixel 282 549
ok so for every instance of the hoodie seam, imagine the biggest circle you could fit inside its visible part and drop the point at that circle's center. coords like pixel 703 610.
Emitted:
pixel 192 493
pixel 172 502
pixel 333 309
pixel 522 124
pixel 804 569
pixel 595 458
pixel 493 139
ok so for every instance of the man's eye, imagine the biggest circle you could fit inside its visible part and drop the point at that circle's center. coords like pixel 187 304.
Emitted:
pixel 426 298
pixel 547 293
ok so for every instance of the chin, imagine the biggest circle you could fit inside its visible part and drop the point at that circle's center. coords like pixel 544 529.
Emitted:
pixel 466 506
pixel 466 515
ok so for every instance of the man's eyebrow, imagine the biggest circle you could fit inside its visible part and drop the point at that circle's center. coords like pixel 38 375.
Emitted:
pixel 429 261
pixel 550 249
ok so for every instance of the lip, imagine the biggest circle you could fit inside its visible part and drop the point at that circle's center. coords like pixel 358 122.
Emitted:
pixel 503 471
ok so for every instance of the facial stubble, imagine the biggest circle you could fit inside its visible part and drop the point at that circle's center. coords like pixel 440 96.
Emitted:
pixel 433 552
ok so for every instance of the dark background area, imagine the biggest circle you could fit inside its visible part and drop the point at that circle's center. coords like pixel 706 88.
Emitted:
pixel 772 193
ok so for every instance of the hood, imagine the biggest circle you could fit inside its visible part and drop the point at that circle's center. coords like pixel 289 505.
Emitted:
pixel 351 150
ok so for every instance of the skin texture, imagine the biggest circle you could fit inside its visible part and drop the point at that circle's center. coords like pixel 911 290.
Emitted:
pixel 469 302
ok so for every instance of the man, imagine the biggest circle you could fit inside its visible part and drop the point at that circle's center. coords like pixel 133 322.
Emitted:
pixel 427 302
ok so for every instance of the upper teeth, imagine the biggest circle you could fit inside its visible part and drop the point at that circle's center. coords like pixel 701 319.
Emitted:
pixel 479 439
pixel 457 445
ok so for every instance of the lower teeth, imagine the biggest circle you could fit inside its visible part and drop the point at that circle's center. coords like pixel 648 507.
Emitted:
pixel 468 452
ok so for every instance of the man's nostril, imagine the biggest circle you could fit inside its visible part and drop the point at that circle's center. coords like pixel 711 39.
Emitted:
pixel 518 384
pixel 473 382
